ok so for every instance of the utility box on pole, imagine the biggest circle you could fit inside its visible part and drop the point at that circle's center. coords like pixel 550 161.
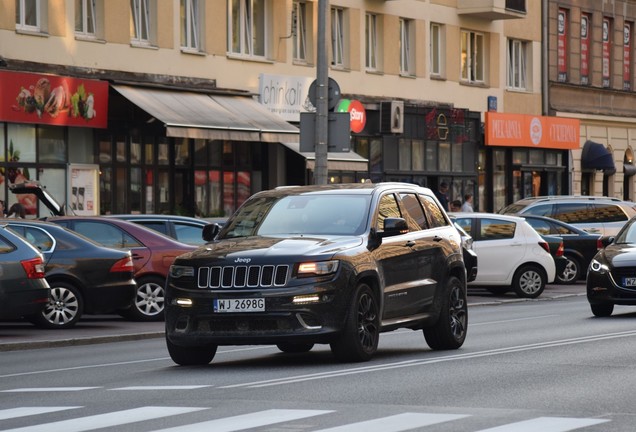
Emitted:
pixel 338 131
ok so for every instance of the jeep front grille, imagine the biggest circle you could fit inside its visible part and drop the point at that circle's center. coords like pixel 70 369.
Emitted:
pixel 243 276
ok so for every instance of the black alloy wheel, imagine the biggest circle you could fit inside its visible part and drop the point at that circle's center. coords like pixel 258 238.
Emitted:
pixel 449 332
pixel 191 356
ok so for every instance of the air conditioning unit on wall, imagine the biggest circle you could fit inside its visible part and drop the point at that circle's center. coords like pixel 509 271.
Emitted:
pixel 392 117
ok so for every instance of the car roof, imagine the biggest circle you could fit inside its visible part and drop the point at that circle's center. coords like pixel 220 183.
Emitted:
pixel 366 188
pixel 507 217
pixel 159 217
pixel 548 198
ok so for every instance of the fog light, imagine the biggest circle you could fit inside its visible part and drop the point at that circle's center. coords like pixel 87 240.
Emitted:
pixel 184 302
pixel 304 299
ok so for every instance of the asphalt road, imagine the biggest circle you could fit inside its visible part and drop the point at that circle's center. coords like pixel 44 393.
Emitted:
pixel 543 365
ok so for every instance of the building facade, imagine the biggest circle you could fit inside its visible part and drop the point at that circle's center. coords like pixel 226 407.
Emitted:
pixel 199 102
pixel 590 77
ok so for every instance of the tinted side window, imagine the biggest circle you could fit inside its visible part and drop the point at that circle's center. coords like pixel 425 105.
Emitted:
pixel 36 237
pixel 413 211
pixel 188 233
pixel 5 246
pixel 540 210
pixel 106 234
pixel 155 225
pixel 434 212
pixel 609 213
pixel 542 227
pixel 466 225
pixel 494 229
pixel 575 213
pixel 387 208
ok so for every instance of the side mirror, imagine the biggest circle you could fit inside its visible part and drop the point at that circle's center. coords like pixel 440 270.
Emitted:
pixel 394 226
pixel 607 240
pixel 210 231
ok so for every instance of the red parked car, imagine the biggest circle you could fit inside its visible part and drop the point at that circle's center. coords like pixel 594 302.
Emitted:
pixel 152 253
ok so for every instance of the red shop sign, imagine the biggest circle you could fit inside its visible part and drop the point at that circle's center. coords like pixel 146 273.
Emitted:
pixel 52 99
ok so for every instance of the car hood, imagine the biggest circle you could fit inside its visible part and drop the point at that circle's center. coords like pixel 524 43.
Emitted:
pixel 620 255
pixel 261 249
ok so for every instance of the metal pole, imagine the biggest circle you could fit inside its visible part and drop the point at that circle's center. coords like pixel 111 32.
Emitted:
pixel 322 93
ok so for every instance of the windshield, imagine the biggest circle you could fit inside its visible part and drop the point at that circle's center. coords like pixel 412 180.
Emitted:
pixel 300 215
pixel 627 234
pixel 512 209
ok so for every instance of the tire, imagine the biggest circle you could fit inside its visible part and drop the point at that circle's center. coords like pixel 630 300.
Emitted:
pixel 63 310
pixel 449 332
pixel 359 338
pixel 149 300
pixel 602 310
pixel 571 273
pixel 191 356
pixel 529 281
pixel 292 348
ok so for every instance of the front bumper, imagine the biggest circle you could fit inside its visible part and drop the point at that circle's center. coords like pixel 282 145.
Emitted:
pixel 283 320
pixel 603 288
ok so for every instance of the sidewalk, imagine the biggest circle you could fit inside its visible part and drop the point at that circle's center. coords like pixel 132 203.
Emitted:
pixel 94 329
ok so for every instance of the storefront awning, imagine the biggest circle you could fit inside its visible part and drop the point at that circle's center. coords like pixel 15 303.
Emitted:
pixel 200 115
pixel 629 169
pixel 596 156
pixel 345 161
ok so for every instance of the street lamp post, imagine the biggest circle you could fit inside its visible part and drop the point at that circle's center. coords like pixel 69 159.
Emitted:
pixel 322 112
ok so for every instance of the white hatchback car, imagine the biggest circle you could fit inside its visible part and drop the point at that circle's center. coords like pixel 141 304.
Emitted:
pixel 511 254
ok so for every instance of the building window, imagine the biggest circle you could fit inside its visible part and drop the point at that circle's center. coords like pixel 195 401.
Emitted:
pixel 30 15
pixel 607 52
pixel 586 30
pixel 191 14
pixel 517 64
pixel 472 57
pixel 406 47
pixel 300 31
pixel 141 22
pixel 371 36
pixel 562 45
pixel 85 18
pixel 437 49
pixel 337 37
pixel 247 27
pixel 627 55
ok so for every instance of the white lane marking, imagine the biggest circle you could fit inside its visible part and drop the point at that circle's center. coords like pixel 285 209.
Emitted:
pixel 47 389
pixel 247 421
pixel 472 324
pixel 547 424
pixel 163 387
pixel 452 357
pixel 396 423
pixel 29 411
pixel 112 419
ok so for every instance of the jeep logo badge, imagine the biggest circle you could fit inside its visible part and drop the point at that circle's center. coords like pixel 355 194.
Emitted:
pixel 243 260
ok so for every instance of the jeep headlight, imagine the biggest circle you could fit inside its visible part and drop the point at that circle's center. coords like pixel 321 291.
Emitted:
pixel 599 267
pixel 178 271
pixel 319 268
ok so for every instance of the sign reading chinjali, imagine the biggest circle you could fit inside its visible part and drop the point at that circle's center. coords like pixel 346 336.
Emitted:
pixel 52 99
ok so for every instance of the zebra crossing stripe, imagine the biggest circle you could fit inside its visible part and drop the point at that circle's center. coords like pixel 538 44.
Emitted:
pixel 47 389
pixel 396 423
pixel 6 414
pixel 547 424
pixel 182 387
pixel 247 421
pixel 111 419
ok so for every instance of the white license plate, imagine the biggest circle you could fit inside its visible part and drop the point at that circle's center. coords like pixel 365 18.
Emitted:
pixel 239 305
pixel 629 281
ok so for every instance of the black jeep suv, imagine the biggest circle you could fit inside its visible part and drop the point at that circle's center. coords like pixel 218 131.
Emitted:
pixel 304 265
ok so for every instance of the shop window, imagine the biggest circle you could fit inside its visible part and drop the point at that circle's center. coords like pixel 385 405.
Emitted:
pixel 105 190
pixel 120 149
pixel 149 156
pixel 499 179
pixel 248 27
pixel 228 193
pixel 200 152
pixel 162 152
pixel 121 186
pixel 431 156
pixel 537 157
pixel 182 151
pixel 136 190
pixel 375 156
pixel 55 181
pixel 243 187
pixel 457 156
pixel 191 15
pixel 215 153
pixel 149 190
pixel 418 155
pixel 80 145
pixel 135 150
pixel 21 140
pixel 228 154
pixel 163 192
pixel 520 157
pixel 105 150
pixel 444 156
pixel 51 144
pixel 404 154
pixel 216 202
pixel 243 154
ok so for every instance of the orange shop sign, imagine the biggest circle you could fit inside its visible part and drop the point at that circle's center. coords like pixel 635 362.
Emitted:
pixel 51 99
pixel 522 130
